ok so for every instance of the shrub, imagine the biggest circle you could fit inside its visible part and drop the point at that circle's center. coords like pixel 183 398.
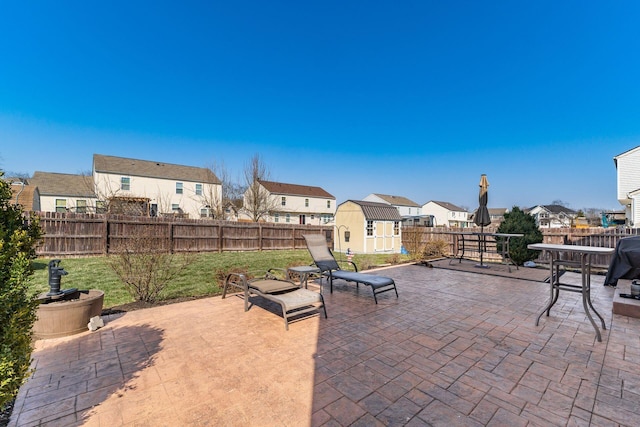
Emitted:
pixel 393 259
pixel 435 248
pixel 18 239
pixel 144 267
pixel 518 221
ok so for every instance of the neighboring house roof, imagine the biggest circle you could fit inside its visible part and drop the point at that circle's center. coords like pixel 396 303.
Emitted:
pixel 615 159
pixel 447 205
pixel 24 196
pixel 150 169
pixel 378 211
pixel 397 200
pixel 62 184
pixel 295 189
pixel 556 209
pixel 497 211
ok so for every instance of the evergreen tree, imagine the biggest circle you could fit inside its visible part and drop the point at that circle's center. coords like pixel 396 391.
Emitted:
pixel 18 239
pixel 520 222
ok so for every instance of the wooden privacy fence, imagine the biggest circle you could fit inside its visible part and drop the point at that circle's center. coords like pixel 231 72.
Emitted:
pixel 415 237
pixel 70 234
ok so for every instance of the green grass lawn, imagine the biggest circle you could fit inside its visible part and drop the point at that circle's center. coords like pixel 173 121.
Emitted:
pixel 203 277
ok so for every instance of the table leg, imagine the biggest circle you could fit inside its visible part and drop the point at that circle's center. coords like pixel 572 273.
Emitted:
pixel 585 267
pixel 553 289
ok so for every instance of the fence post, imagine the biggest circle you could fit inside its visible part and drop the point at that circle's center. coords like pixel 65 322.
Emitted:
pixel 259 237
pixel 171 244
pixel 220 236
pixel 105 235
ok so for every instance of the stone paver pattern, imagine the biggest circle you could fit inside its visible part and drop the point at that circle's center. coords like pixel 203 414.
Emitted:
pixel 456 348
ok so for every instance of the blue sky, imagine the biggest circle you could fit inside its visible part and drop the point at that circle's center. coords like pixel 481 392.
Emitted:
pixel 411 98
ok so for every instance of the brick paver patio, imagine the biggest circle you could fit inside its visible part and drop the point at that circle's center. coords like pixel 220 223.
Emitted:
pixel 456 348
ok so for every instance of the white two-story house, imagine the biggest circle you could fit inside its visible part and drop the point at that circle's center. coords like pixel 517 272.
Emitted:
pixel 288 203
pixel 552 216
pixel 161 188
pixel 628 180
pixel 445 214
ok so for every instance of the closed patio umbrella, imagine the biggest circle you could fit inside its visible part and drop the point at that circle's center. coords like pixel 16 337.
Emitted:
pixel 482 217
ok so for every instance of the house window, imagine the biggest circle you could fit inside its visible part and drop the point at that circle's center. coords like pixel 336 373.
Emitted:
pixel 347 236
pixel 100 207
pixel 284 201
pixel 276 217
pixel 81 206
pixel 61 205
pixel 306 203
pixel 328 204
pixel 326 218
pixel 288 218
pixel 198 189
pixel 369 228
pixel 175 207
pixel 396 228
pixel 125 183
pixel 179 188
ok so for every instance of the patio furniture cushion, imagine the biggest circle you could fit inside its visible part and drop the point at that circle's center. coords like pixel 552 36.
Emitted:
pixel 270 286
pixel 368 279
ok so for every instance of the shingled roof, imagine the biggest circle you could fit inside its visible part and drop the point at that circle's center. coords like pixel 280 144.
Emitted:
pixel 62 184
pixel 150 169
pixel 449 206
pixel 397 200
pixel 295 189
pixel 24 196
pixel 378 211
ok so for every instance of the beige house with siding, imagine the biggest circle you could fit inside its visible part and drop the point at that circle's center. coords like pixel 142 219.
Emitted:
pixel 368 227
pixel 163 188
pixel 628 183
pixel 293 204
pixel 61 192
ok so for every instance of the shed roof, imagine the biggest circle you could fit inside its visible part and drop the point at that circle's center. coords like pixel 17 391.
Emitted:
pixel 397 200
pixel 295 189
pixel 62 184
pixel 377 211
pixel 151 169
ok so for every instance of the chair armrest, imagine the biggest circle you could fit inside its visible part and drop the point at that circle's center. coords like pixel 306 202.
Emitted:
pixel 351 263
pixel 270 274
pixel 239 280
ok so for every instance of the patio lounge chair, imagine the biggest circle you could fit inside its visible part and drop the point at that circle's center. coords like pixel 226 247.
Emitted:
pixel 293 299
pixel 326 262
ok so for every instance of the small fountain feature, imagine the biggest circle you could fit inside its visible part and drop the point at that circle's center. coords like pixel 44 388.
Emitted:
pixel 65 312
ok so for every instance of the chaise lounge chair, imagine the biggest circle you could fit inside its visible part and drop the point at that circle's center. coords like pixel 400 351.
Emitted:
pixel 293 299
pixel 326 262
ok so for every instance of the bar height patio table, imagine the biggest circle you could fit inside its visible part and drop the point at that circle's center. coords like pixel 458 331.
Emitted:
pixel 585 253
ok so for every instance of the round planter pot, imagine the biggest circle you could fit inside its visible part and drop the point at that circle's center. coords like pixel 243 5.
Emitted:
pixel 62 318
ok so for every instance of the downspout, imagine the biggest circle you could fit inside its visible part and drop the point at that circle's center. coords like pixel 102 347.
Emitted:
pixel 19 192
